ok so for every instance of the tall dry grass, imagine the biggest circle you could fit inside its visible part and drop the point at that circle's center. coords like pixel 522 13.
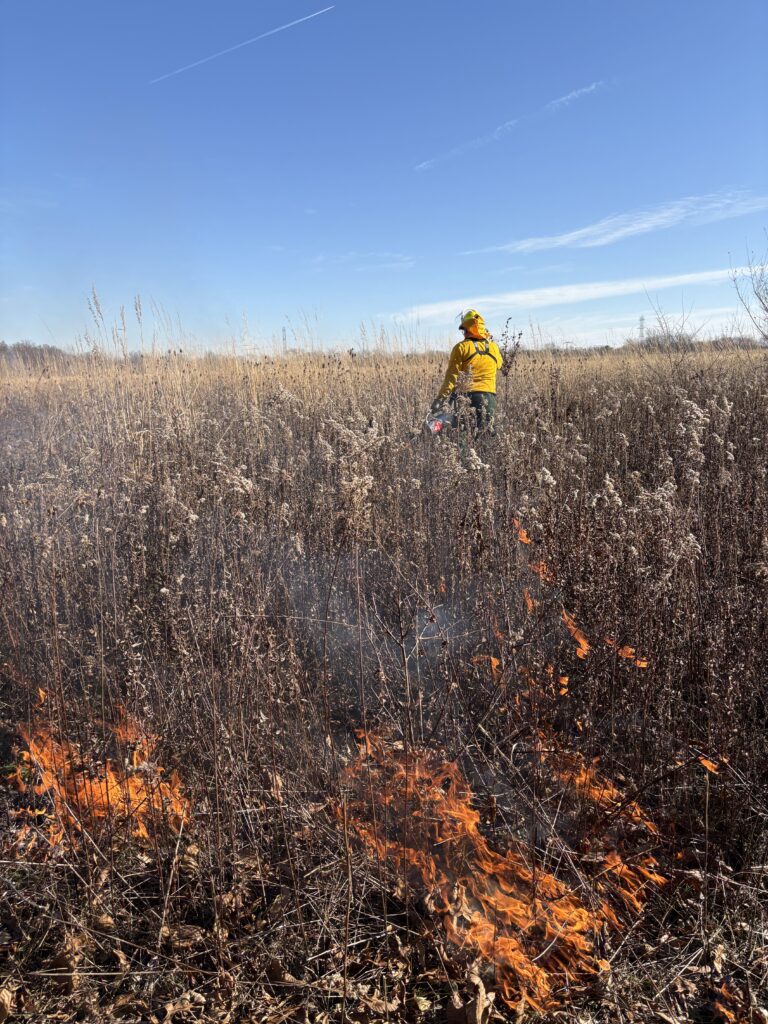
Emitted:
pixel 255 558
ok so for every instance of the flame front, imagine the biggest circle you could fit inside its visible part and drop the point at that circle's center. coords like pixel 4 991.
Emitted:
pixel 414 815
pixel 85 796
pixel 583 645
pixel 585 779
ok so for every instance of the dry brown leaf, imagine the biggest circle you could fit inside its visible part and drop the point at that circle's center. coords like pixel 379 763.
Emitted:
pixel 122 959
pixel 277 787
pixel 64 965
pixel 718 957
pixel 186 1002
pixel 709 765
pixel 189 859
pixel 376 1004
pixel 417 1004
pixel 478 1010
pixel 182 936
pixel 6 1004
pixel 278 975
pixel 127 1005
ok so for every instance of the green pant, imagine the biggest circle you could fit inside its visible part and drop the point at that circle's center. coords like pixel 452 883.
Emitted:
pixel 484 404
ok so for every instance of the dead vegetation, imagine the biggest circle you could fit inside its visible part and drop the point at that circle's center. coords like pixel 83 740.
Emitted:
pixel 304 718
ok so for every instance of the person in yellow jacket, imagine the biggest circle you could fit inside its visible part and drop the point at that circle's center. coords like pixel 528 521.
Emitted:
pixel 479 355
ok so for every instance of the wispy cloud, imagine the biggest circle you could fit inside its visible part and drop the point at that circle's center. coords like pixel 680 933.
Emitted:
pixel 565 294
pixel 505 127
pixel 239 46
pixel 691 209
pixel 609 327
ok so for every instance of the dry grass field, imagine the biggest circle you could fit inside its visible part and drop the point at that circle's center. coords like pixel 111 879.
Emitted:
pixel 307 717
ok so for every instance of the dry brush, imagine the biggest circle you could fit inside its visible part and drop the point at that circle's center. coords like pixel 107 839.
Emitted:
pixel 305 714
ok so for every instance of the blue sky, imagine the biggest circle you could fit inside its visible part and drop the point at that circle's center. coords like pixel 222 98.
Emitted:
pixel 574 164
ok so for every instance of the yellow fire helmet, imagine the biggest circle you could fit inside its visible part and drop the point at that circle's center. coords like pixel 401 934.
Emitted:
pixel 473 324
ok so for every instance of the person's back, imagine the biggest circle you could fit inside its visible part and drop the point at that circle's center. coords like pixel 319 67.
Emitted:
pixel 478 355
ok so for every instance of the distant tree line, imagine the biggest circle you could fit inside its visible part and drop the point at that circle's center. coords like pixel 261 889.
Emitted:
pixel 32 356
pixel 42 358
pixel 684 341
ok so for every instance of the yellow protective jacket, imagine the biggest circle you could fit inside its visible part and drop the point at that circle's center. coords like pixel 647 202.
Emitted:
pixel 480 357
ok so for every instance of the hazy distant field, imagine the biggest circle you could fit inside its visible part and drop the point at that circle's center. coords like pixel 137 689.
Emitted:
pixel 379 671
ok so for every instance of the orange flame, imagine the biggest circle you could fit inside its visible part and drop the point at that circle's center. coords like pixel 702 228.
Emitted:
pixel 586 780
pixel 494 663
pixel 88 797
pixel 583 646
pixel 627 652
pixel 414 814
pixel 547 576
pixel 543 571
pixel 522 535
pixel 729 1007
pixel 623 652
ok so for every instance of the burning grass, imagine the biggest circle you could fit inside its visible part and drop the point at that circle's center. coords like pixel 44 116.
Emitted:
pixel 75 796
pixel 416 815
pixel 552 640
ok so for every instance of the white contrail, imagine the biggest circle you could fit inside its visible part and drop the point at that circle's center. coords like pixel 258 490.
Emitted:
pixel 566 294
pixel 239 46
pixel 563 101
pixel 501 130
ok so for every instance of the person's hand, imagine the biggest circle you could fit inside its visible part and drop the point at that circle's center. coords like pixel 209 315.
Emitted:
pixel 437 405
